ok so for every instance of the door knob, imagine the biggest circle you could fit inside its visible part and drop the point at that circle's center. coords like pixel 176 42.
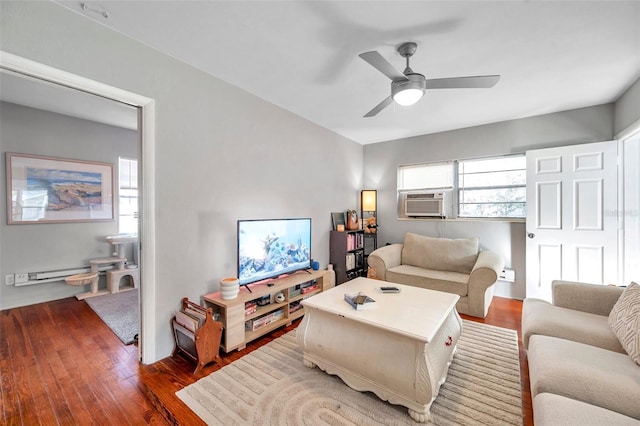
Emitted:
pixel 531 235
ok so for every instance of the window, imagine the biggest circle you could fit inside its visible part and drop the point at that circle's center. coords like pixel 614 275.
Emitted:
pixel 494 187
pixel 425 176
pixel 128 191
pixel 484 188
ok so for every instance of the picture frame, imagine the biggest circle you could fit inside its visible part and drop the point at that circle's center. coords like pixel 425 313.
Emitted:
pixel 58 190
pixel 337 218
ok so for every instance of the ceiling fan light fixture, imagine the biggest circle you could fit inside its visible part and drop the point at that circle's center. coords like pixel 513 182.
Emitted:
pixel 408 96
pixel 408 87
pixel 408 92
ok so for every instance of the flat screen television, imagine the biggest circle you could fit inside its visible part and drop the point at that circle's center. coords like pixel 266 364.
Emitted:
pixel 268 248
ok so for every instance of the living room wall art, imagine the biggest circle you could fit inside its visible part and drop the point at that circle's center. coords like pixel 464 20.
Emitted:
pixel 56 190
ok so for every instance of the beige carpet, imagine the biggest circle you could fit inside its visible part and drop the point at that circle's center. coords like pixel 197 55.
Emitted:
pixel 270 386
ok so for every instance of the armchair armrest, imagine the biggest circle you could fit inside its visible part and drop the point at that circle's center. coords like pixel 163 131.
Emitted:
pixel 592 298
pixel 486 270
pixel 483 276
pixel 384 258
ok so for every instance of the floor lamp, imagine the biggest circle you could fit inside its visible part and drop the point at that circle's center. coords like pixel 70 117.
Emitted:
pixel 368 215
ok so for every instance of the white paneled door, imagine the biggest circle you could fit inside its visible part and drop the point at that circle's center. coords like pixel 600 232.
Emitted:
pixel 571 216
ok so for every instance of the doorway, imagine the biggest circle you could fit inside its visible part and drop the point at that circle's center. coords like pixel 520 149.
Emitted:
pixel 146 141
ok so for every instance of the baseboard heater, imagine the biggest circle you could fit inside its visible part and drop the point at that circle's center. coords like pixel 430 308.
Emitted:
pixel 42 277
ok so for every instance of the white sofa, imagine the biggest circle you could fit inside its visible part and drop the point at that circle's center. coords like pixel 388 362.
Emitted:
pixel 450 265
pixel 579 369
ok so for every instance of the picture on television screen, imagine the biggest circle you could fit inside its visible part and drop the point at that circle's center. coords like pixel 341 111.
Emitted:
pixel 269 248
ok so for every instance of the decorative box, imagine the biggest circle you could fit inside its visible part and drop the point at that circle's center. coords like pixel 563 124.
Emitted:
pixel 256 323
pixel 250 308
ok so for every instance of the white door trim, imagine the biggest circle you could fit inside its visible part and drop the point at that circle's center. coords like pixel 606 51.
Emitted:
pixel 629 131
pixel 146 125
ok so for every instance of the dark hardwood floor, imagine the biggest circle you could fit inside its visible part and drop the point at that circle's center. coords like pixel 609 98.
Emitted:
pixel 60 364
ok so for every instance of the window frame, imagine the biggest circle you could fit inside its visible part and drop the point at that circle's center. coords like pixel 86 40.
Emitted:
pixel 460 187
pixel 133 164
pixel 456 189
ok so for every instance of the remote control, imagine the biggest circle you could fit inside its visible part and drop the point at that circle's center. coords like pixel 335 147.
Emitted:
pixel 390 289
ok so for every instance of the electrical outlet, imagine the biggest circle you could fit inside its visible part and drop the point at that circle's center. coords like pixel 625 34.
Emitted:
pixel 508 275
pixel 21 278
pixel 8 279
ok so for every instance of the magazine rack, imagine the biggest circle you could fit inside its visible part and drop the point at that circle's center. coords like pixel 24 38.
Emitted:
pixel 201 345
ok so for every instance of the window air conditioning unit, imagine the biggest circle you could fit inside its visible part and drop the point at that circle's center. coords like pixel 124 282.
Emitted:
pixel 426 204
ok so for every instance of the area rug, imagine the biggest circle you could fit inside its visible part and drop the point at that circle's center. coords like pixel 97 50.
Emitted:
pixel 271 386
pixel 120 312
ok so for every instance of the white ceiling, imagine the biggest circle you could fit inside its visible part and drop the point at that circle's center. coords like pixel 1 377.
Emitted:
pixel 303 55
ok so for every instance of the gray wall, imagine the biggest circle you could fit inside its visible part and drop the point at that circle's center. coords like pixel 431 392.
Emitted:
pixel 31 247
pixel 381 160
pixel 221 153
pixel 627 108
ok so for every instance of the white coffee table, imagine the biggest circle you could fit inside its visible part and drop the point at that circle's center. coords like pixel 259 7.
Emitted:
pixel 400 349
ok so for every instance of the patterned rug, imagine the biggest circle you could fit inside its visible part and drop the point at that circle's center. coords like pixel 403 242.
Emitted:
pixel 271 386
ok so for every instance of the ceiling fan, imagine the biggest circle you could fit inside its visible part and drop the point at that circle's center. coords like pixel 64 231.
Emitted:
pixel 408 87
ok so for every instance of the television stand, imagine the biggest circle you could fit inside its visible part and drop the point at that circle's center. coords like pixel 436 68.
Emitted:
pixel 245 321
pixel 271 283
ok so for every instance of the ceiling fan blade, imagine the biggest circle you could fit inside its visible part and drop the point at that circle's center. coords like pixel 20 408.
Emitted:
pixel 381 64
pixel 382 105
pixel 478 82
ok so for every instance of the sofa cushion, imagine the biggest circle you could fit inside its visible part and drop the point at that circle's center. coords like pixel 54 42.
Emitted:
pixel 593 298
pixel 624 320
pixel 552 410
pixel 441 254
pixel 450 282
pixel 541 317
pixel 586 373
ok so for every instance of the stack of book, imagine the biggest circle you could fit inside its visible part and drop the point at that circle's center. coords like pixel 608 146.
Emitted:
pixel 294 306
pixel 359 301
pixel 354 241
pixel 350 261
pixel 308 287
pixel 190 318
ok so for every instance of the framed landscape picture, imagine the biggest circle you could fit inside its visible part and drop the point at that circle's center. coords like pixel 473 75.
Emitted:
pixel 52 190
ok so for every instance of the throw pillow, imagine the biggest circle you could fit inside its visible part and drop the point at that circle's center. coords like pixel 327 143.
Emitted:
pixel 624 321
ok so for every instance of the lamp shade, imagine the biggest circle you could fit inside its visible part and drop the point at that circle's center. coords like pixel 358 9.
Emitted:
pixel 408 96
pixel 408 92
pixel 369 200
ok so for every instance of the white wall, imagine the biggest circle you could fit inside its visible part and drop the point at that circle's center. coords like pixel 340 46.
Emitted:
pixel 42 247
pixel 221 153
pixel 506 238
pixel 631 181
pixel 627 120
